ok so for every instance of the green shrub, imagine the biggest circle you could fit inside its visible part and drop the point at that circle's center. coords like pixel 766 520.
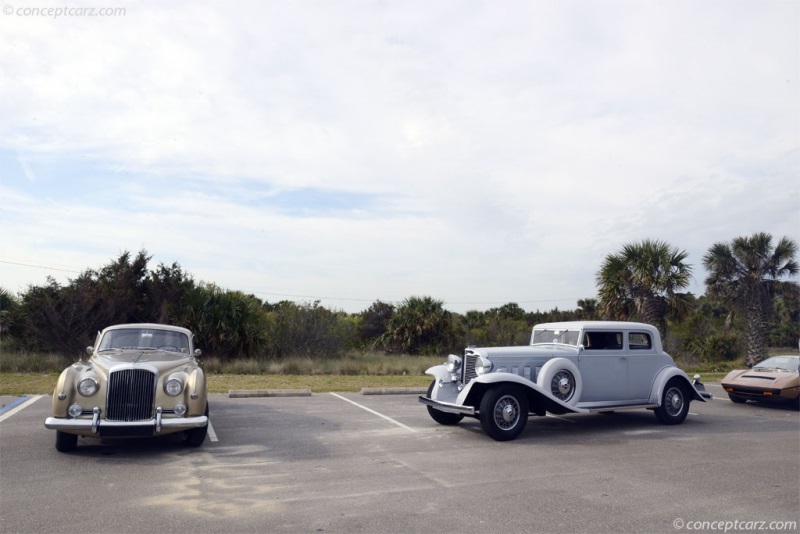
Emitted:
pixel 715 347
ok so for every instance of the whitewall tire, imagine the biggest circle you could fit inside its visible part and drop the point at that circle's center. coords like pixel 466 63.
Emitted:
pixel 561 378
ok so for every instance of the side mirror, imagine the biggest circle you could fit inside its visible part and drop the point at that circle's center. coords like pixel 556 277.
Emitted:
pixel 749 365
pixel 89 350
pixel 197 353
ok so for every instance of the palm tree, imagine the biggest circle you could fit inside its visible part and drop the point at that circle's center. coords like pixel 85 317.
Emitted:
pixel 587 309
pixel 745 275
pixel 643 280
pixel 419 325
pixel 8 306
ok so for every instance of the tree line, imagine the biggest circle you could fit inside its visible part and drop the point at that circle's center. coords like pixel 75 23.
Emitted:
pixel 748 306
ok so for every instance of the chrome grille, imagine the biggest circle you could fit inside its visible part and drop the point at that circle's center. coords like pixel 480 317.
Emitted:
pixel 469 367
pixel 131 393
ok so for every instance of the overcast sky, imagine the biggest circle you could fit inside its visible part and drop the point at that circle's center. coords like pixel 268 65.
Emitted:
pixel 477 152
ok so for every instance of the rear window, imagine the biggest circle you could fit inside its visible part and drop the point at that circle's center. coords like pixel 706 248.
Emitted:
pixel 639 341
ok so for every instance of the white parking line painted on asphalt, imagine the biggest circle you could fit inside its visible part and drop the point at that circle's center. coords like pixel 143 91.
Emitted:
pixel 20 407
pixel 212 436
pixel 398 423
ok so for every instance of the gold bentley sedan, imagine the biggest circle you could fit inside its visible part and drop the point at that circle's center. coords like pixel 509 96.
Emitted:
pixel 139 380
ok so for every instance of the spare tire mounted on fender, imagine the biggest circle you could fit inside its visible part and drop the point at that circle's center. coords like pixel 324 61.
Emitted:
pixel 561 378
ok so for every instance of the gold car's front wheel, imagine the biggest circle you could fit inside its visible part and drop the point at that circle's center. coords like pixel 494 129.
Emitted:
pixel 66 442
pixel 196 436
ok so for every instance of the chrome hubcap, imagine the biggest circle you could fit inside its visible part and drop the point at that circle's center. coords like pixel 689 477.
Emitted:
pixel 506 412
pixel 674 401
pixel 563 385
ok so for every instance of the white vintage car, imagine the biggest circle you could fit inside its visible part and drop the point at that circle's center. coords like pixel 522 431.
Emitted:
pixel 139 380
pixel 569 367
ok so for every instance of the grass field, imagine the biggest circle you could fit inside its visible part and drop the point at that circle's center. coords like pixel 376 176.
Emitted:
pixel 43 384
pixel 36 374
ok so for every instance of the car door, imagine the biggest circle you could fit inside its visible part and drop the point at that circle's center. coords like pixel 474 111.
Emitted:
pixel 644 362
pixel 604 367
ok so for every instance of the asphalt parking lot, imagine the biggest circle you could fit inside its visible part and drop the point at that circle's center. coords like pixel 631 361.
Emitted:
pixel 354 463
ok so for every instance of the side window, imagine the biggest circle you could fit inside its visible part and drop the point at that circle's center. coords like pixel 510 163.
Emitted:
pixel 602 340
pixel 639 341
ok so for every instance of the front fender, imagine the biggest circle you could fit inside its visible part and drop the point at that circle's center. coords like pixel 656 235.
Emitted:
pixel 474 391
pixel 440 372
pixel 447 384
pixel 65 391
pixel 664 376
pixel 196 392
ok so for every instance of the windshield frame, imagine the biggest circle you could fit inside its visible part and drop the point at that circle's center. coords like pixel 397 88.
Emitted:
pixel 556 336
pixel 144 339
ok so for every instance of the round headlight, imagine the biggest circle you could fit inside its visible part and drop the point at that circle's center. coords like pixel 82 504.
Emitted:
pixel 75 410
pixel 482 366
pixel 453 363
pixel 87 387
pixel 173 387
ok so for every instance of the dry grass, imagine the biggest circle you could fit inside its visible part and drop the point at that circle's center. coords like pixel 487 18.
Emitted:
pixel 43 384
pixel 29 374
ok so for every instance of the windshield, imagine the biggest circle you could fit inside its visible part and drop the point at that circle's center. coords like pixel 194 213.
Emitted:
pixel 563 337
pixel 786 363
pixel 144 339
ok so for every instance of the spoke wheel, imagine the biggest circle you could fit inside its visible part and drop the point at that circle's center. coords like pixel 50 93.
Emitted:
pixel 561 379
pixel 562 385
pixel 504 412
pixel 674 403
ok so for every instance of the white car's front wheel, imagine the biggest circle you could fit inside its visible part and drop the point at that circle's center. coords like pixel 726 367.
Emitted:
pixel 504 412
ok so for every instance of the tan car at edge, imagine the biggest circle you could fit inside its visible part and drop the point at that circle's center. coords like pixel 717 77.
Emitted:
pixel 774 380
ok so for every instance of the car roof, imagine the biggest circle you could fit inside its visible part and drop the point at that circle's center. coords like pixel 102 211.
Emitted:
pixel 599 325
pixel 150 326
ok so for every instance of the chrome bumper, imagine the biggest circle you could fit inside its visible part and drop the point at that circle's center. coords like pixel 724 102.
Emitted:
pixel 700 388
pixel 96 426
pixel 447 406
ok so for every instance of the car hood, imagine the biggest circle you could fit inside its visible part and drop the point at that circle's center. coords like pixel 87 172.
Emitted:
pixel 161 360
pixel 772 378
pixel 525 351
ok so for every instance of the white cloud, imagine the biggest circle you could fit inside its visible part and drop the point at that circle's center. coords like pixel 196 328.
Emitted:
pixel 499 151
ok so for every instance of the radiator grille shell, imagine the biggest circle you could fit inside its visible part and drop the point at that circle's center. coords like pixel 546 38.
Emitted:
pixel 131 395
